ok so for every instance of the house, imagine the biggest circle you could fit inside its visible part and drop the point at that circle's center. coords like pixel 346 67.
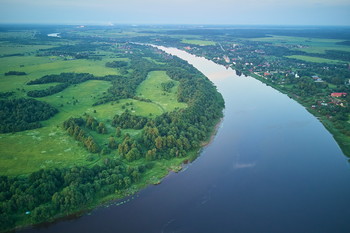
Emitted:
pixel 317 79
pixel 338 94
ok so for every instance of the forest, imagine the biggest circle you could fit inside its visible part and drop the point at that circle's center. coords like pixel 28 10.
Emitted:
pixel 23 114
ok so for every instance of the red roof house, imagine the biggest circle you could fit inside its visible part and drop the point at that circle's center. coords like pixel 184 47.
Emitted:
pixel 338 94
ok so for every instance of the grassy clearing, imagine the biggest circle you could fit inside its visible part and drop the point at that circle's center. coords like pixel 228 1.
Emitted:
pixel 322 50
pixel 50 146
pixel 198 42
pixel 315 59
pixel 107 111
pixel 28 151
pixel 308 45
pixel 151 89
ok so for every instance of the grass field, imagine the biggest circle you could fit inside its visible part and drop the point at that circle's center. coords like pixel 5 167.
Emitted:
pixel 151 89
pixel 36 67
pixel 198 42
pixel 50 146
pixel 309 45
pixel 315 59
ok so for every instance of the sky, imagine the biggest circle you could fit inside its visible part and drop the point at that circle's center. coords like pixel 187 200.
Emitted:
pixel 228 12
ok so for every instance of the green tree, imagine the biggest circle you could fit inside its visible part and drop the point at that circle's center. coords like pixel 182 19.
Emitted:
pixel 118 132
pixel 112 143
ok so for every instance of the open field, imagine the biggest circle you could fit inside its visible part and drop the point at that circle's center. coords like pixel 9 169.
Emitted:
pixel 315 59
pixel 198 42
pixel 151 89
pixel 50 146
pixel 322 50
pixel 308 45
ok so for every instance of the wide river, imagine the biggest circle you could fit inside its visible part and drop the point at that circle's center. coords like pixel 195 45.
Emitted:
pixel 272 167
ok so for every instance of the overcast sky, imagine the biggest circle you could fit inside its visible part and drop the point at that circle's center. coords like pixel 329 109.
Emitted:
pixel 269 12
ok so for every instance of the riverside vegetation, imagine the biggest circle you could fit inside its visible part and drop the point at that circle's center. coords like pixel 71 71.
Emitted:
pixel 87 119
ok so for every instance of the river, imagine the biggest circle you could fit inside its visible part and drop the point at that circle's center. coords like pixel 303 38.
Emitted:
pixel 272 167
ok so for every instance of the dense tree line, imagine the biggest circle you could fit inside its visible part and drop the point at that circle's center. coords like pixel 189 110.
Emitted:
pixel 49 91
pixel 128 121
pixel 15 73
pixel 75 128
pixel 93 124
pixel 167 86
pixel 55 192
pixel 347 42
pixel 22 114
pixel 7 94
pixel 116 64
pixel 70 78
pixel 130 149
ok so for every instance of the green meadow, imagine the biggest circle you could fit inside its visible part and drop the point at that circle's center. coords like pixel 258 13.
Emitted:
pixel 151 89
pixel 198 42
pixel 50 146
pixel 315 59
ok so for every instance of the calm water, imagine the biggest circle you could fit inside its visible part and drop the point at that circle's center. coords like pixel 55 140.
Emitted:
pixel 272 167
